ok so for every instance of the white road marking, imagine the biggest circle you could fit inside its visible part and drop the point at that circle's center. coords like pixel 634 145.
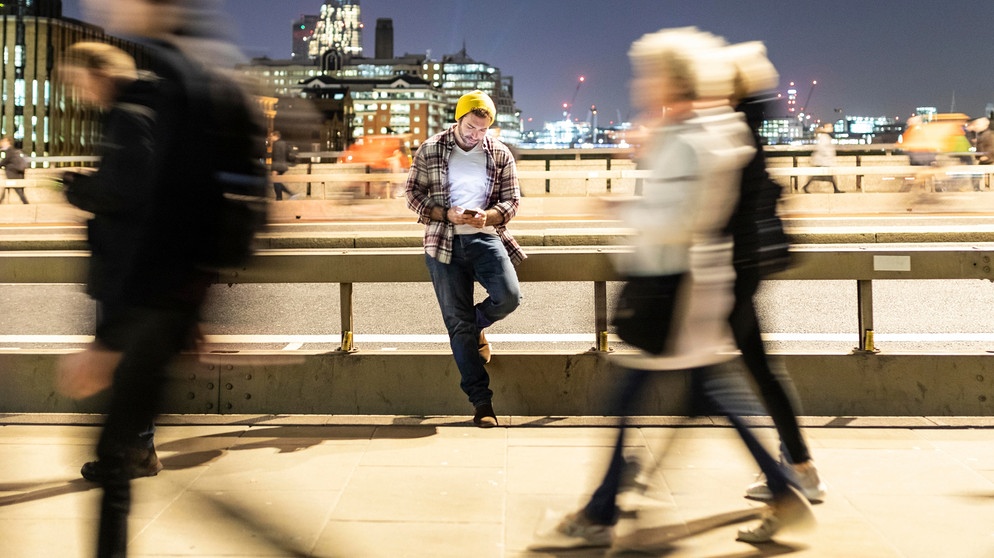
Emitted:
pixel 295 342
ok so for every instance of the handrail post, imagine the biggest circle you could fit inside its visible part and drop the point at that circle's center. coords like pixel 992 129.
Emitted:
pixel 792 180
pixel 310 168
pixel 600 316
pixel 608 180
pixel 348 317
pixel 864 302
pixel 859 177
pixel 548 183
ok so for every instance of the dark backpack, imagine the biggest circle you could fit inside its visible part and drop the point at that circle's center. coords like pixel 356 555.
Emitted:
pixel 760 241
pixel 226 150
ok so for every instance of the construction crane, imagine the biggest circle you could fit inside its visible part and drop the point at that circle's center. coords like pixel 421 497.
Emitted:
pixel 569 110
pixel 810 91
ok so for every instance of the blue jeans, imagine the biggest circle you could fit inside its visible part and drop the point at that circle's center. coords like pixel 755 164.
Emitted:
pixel 725 394
pixel 475 258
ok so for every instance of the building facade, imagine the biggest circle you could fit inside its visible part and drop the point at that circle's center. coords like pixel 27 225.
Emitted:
pixel 458 74
pixel 41 114
pixel 338 28
pixel 403 105
pixel 303 35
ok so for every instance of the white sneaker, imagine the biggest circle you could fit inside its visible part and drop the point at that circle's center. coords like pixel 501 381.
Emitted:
pixel 811 486
pixel 575 531
pixel 790 512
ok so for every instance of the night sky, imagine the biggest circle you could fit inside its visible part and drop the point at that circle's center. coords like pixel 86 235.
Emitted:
pixel 870 57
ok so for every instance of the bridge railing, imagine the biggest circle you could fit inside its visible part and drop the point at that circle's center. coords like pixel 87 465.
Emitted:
pixel 341 184
pixel 863 264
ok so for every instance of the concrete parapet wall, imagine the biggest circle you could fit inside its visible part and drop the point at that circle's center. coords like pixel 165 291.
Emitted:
pixel 587 186
pixel 535 384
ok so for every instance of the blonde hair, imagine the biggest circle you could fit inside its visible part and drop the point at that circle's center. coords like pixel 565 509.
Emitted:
pixel 754 73
pixel 103 58
pixel 693 60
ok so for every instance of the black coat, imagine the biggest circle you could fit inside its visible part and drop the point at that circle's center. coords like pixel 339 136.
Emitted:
pixel 140 241
pixel 760 243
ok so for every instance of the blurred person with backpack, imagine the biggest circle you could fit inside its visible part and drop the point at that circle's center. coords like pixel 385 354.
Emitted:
pixel 14 165
pixel 159 228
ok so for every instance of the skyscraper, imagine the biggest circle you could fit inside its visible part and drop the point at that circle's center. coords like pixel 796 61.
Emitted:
pixel 40 8
pixel 338 29
pixel 303 36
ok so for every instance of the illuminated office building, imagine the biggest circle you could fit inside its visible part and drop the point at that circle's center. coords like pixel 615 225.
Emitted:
pixel 303 35
pixel 861 130
pixel 42 115
pixel 403 105
pixel 446 80
pixel 338 29
pixel 458 74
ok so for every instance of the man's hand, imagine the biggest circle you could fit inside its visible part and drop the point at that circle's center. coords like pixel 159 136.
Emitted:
pixel 473 217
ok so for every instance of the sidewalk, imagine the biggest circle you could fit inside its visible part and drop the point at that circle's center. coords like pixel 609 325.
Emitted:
pixel 250 486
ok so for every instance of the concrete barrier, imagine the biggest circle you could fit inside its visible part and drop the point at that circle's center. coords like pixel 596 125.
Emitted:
pixel 865 381
pixel 533 384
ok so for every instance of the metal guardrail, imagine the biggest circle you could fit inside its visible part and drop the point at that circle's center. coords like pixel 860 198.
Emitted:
pixel 863 263
pixel 370 184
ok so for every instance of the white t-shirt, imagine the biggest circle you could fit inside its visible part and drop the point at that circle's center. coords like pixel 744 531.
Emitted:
pixel 468 183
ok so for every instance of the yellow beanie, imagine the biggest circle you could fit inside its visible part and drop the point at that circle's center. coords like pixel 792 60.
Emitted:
pixel 475 100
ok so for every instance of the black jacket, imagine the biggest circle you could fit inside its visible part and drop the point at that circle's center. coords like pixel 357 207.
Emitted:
pixel 13 163
pixel 139 235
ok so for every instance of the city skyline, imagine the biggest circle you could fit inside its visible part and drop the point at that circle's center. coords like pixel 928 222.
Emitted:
pixel 882 58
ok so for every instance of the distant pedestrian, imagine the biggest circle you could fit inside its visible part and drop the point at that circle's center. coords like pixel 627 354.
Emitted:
pixel 823 156
pixel 14 164
pixel 463 185
pixel 983 143
pixel 983 139
pixel 280 163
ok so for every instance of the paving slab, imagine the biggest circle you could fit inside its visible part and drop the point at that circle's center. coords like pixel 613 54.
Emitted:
pixel 390 486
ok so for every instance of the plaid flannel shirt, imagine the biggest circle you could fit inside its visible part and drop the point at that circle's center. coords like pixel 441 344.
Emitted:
pixel 428 187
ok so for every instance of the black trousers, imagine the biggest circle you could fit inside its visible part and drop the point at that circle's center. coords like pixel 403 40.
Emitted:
pixel 775 387
pixel 150 338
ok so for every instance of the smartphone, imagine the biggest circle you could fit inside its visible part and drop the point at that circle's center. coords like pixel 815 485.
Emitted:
pixel 470 212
